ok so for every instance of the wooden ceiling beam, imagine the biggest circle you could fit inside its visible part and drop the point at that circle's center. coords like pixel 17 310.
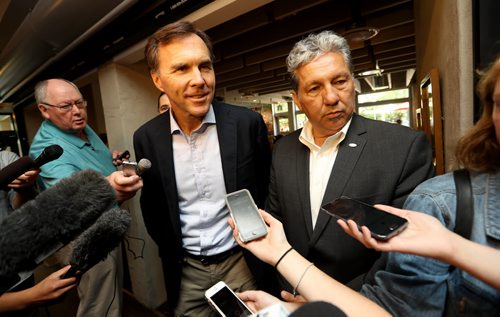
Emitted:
pixel 237 86
pixel 225 80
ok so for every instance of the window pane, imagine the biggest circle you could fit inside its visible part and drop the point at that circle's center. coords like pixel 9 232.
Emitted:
pixel 394 113
pixel 301 118
pixel 383 95
pixel 280 107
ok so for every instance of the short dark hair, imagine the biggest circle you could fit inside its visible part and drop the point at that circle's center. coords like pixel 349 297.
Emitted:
pixel 168 33
pixel 159 97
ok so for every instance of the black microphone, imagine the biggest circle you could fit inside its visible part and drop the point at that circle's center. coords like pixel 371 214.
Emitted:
pixel 25 163
pixel 48 154
pixel 95 243
pixel 55 217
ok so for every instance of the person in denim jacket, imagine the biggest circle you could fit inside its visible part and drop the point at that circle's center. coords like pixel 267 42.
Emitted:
pixel 418 286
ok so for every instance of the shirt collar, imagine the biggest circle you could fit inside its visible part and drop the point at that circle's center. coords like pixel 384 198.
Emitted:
pixel 208 119
pixel 70 136
pixel 306 136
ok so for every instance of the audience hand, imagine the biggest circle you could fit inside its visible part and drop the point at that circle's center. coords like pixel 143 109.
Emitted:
pixel 258 300
pixel 49 289
pixel 270 247
pixel 26 180
pixel 117 161
pixel 53 286
pixel 125 186
pixel 424 236
pixel 288 297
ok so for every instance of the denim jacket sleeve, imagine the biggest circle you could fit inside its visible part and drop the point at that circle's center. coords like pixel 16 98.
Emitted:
pixel 413 285
pixel 416 286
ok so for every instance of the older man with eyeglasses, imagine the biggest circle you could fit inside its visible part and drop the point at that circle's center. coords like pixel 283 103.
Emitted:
pixel 65 112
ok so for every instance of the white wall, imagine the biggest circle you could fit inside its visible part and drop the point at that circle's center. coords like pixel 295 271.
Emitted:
pixel 129 99
pixel 444 41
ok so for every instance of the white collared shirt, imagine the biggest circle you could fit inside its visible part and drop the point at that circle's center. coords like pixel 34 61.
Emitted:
pixel 321 160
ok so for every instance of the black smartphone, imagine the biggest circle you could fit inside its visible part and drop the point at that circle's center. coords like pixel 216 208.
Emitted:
pixel 246 215
pixel 226 302
pixel 382 225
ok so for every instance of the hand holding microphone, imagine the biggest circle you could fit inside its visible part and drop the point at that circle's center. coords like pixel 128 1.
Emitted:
pixel 56 216
pixel 133 168
pixel 12 171
pixel 125 185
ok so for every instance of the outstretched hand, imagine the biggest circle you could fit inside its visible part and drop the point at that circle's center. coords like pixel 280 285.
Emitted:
pixel 424 236
pixel 125 185
pixel 258 300
pixel 270 247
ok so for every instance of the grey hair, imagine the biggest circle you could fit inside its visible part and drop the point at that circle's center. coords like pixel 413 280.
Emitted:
pixel 41 89
pixel 315 45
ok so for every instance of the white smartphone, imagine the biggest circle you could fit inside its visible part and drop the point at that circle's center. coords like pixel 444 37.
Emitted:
pixel 246 215
pixel 225 302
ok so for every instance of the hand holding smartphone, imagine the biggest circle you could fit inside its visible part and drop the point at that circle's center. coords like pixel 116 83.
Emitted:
pixel 226 302
pixel 382 225
pixel 129 168
pixel 246 215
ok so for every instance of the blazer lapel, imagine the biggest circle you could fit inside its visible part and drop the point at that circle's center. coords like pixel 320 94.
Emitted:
pixel 350 150
pixel 304 199
pixel 227 133
pixel 165 156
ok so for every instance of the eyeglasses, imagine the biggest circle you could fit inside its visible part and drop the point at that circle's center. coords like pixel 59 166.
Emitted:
pixel 65 107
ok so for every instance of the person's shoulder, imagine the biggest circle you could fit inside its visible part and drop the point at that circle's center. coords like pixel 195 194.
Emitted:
pixel 383 126
pixel 7 157
pixel 153 123
pixel 285 142
pixel 436 185
pixel 234 110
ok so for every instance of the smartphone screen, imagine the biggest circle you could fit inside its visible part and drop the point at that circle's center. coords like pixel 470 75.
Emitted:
pixel 383 225
pixel 226 302
pixel 246 216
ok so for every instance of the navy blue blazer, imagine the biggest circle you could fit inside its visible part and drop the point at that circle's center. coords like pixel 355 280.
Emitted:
pixel 377 162
pixel 246 157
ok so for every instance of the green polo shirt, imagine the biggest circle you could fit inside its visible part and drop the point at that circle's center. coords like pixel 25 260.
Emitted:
pixel 78 155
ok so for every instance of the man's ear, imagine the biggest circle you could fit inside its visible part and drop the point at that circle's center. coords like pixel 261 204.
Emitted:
pixel 296 100
pixel 156 80
pixel 44 111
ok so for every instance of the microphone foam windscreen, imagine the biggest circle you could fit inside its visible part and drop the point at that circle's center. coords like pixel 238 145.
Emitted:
pixel 95 243
pixel 55 216
pixel 143 165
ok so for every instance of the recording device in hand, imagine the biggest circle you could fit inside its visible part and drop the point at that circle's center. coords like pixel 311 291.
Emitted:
pixel 123 155
pixel 95 243
pixel 225 302
pixel 55 217
pixel 246 215
pixel 134 168
pixel 25 163
pixel 382 225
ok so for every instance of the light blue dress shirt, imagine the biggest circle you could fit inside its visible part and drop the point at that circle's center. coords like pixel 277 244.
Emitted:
pixel 201 189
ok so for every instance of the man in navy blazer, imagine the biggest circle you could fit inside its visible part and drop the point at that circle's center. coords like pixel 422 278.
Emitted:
pixel 200 150
pixel 337 153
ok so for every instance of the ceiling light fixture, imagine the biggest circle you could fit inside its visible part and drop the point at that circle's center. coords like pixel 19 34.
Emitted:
pixel 360 34
pixel 376 71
